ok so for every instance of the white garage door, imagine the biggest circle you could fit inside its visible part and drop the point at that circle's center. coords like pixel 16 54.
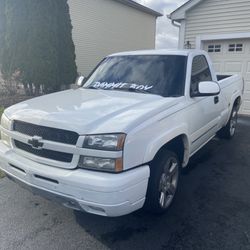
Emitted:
pixel 232 57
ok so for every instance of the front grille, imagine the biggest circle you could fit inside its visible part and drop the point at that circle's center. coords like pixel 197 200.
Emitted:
pixel 47 133
pixel 45 153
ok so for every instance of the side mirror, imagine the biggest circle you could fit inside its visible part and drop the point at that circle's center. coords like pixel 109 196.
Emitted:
pixel 80 81
pixel 207 89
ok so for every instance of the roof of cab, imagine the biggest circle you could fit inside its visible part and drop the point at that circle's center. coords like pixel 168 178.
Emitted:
pixel 154 52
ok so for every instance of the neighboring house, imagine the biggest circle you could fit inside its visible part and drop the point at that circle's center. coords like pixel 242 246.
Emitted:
pixel 221 27
pixel 103 27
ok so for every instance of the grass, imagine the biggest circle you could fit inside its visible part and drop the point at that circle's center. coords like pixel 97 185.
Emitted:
pixel 1 174
pixel 1 112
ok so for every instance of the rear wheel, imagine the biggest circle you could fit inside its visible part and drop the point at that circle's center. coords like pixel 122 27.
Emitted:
pixel 228 131
pixel 163 182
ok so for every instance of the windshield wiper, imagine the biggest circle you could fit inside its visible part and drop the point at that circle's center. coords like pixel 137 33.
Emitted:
pixel 91 87
pixel 122 89
pixel 174 96
pixel 132 90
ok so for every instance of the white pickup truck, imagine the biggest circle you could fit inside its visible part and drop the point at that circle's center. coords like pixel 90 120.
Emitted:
pixel 118 142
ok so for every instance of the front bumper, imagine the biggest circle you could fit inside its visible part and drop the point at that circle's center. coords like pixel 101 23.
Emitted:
pixel 94 192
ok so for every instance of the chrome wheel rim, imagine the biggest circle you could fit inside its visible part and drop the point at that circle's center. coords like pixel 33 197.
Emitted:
pixel 233 123
pixel 168 183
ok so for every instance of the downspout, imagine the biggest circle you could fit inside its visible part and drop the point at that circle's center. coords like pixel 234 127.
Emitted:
pixel 173 21
pixel 180 27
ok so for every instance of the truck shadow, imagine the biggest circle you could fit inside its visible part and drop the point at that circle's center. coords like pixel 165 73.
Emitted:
pixel 174 230
pixel 203 211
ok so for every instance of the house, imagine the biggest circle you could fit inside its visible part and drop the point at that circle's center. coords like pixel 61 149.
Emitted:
pixel 222 28
pixel 102 27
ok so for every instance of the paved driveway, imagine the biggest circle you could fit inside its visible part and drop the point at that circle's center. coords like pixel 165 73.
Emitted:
pixel 212 211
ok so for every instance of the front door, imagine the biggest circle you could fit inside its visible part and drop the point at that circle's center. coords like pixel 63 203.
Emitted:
pixel 205 111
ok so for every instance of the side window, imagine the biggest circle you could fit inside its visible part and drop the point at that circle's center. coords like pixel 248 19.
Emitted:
pixel 200 72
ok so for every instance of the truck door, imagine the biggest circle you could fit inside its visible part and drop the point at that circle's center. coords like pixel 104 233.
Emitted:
pixel 205 111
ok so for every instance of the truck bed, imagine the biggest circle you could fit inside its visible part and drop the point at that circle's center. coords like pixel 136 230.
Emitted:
pixel 222 77
pixel 225 81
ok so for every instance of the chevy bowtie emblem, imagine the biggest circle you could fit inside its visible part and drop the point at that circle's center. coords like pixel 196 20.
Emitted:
pixel 35 142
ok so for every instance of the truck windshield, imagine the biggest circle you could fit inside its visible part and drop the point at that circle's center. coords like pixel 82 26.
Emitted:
pixel 162 75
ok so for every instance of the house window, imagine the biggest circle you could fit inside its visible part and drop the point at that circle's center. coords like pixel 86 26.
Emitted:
pixel 214 48
pixel 236 47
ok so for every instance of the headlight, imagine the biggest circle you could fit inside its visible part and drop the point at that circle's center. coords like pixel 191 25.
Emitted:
pixel 101 164
pixel 112 142
pixel 5 123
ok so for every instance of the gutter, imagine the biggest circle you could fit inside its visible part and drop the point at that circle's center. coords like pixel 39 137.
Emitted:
pixel 174 23
pixel 140 7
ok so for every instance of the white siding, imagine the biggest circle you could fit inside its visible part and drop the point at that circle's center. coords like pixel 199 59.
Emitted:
pixel 102 27
pixel 217 17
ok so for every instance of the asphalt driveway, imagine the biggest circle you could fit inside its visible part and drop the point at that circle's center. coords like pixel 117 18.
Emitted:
pixel 211 211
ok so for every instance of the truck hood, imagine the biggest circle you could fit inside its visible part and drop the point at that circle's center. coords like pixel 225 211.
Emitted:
pixel 88 111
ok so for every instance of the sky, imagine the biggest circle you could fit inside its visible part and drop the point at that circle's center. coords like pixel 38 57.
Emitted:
pixel 166 34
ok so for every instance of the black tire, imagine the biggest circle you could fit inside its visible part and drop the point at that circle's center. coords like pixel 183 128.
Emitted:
pixel 228 131
pixel 163 182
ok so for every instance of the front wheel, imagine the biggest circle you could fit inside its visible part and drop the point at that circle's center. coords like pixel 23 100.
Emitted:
pixel 163 182
pixel 229 130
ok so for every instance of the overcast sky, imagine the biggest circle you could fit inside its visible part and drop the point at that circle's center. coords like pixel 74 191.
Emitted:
pixel 167 34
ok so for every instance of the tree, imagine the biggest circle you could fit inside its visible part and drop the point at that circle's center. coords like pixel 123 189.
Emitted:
pixel 38 43
pixel 64 35
pixel 2 27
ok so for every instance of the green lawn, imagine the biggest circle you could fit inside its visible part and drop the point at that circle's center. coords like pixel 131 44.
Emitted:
pixel 1 111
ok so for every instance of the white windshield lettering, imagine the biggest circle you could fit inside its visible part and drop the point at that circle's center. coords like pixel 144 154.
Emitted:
pixel 121 85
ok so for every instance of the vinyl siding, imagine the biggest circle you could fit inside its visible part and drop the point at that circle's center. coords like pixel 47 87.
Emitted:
pixel 102 27
pixel 217 17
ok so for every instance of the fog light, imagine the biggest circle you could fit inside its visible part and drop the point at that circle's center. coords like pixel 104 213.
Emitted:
pixel 5 139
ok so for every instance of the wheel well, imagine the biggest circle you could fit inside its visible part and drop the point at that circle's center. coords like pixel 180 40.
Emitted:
pixel 177 145
pixel 237 103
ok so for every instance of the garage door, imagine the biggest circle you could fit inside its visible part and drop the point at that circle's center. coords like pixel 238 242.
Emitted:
pixel 232 57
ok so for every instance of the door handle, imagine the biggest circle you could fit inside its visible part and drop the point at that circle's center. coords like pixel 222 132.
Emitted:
pixel 216 99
